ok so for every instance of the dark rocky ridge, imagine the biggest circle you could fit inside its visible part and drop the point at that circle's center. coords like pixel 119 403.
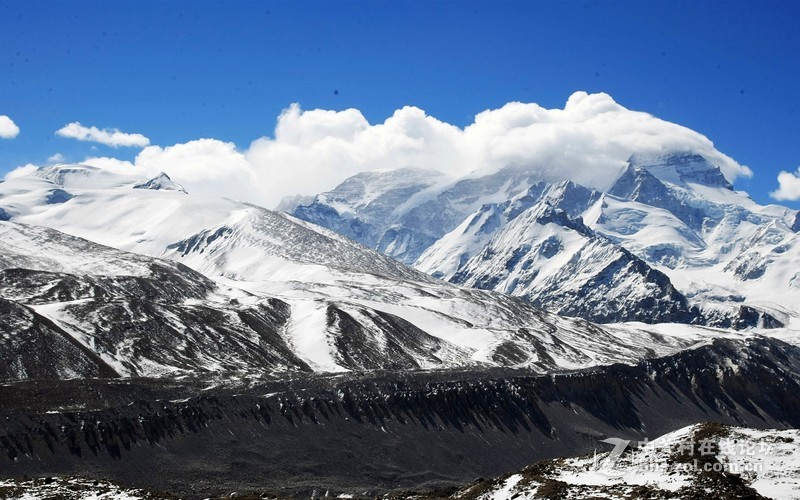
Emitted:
pixel 383 431
pixel 147 316
pixel 43 349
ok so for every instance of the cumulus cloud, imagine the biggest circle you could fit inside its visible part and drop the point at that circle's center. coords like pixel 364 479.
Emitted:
pixel 588 141
pixel 788 186
pixel 109 136
pixel 21 171
pixel 8 129
pixel 56 158
pixel 204 166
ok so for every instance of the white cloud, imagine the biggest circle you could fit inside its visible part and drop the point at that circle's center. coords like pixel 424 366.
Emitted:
pixel 205 166
pixel 8 129
pixel 788 186
pixel 109 137
pixel 21 171
pixel 588 141
pixel 56 158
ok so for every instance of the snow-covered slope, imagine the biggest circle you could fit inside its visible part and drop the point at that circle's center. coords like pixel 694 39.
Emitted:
pixel 364 206
pixel 718 247
pixel 70 488
pixel 285 294
pixel 412 216
pixel 528 247
pixel 698 461
pixel 444 258
pixel 675 215
pixel 73 308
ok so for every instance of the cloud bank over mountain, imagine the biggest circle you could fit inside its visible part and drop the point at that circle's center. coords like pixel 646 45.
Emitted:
pixel 8 129
pixel 588 141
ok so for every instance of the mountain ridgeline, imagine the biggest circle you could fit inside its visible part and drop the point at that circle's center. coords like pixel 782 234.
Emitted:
pixel 668 241
pixel 226 289
pixel 205 346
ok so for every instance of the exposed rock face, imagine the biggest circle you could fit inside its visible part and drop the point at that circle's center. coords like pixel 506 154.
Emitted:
pixel 57 196
pixel 134 325
pixel 403 212
pixel 34 347
pixel 365 209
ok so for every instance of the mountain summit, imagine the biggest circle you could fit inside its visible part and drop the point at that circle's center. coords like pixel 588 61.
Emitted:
pixel 161 181
pixel 668 241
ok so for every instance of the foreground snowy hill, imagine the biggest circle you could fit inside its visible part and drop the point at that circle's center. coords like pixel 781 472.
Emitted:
pixel 263 292
pixel 667 240
pixel 698 461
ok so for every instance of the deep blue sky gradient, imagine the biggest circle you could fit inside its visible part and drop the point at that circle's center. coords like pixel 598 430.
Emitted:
pixel 176 71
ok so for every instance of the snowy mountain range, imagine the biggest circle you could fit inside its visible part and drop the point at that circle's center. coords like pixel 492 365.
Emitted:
pixel 668 240
pixel 155 282
pixel 141 324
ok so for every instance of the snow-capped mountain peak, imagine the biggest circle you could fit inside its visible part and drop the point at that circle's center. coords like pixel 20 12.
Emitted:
pixel 161 182
pixel 674 214
pixel 285 294
pixel 682 168
pixel 80 176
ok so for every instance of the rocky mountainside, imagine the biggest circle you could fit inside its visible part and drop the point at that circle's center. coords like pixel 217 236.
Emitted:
pixel 362 207
pixel 668 241
pixel 73 309
pixel 162 181
pixel 374 433
pixel 403 221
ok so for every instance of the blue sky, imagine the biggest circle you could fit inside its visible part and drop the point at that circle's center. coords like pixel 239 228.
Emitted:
pixel 178 71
